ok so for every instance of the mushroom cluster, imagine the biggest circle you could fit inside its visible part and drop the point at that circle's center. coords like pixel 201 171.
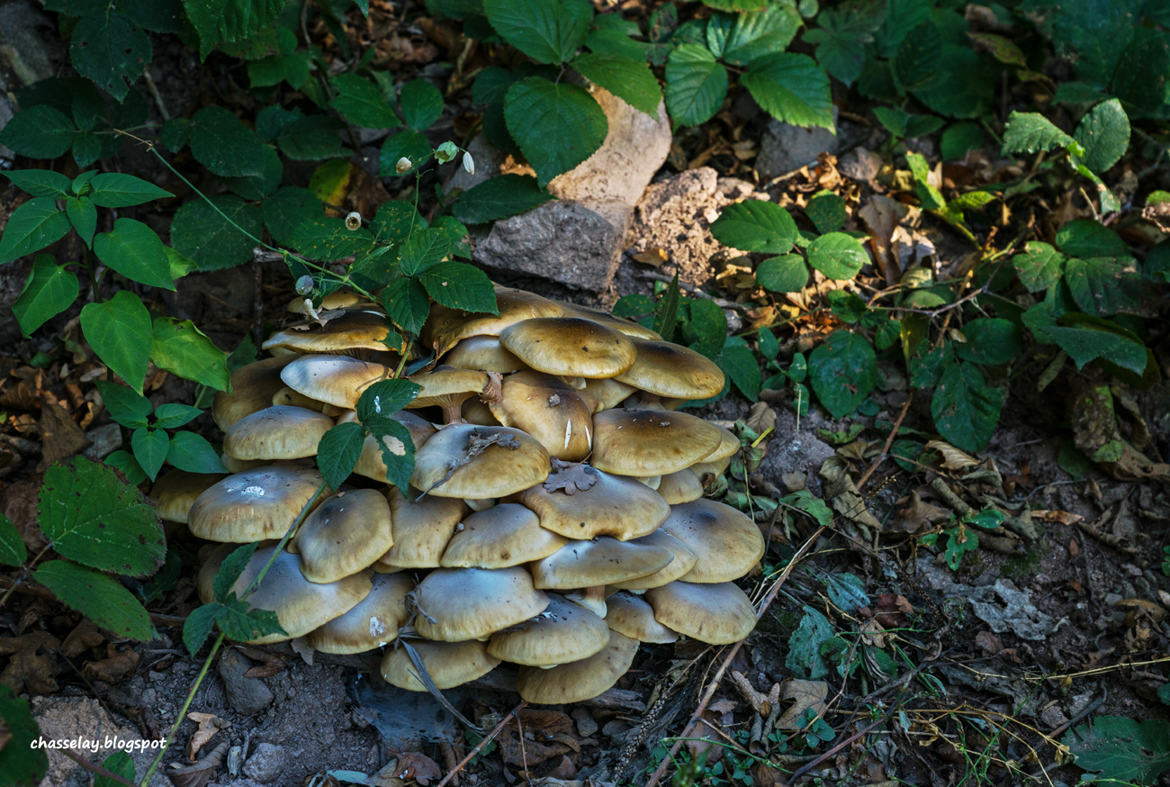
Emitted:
pixel 555 518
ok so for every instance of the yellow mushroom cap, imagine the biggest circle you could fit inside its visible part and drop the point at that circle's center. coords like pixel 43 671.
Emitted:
pixel 176 491
pixel 334 379
pixel 548 409
pixel 728 544
pixel 371 463
pixel 445 327
pixel 717 614
pixel 681 486
pixel 457 604
pixel 449 664
pixel 570 346
pixel 684 560
pixel 562 633
pixel 602 561
pixel 507 534
pixel 650 442
pixel 469 461
pixel 484 353
pixel 345 534
pixel 254 504
pixel 421 528
pixel 372 623
pixel 630 615
pixel 276 432
pixel 579 680
pixel 342 331
pixel 582 502
pixel 671 370
pixel 628 327
pixel 252 387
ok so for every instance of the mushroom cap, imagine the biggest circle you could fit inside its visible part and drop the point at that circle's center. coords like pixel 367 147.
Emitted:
pixel 548 409
pixel 506 534
pixel 446 385
pixel 562 633
pixel 717 614
pixel 603 561
pixel 632 616
pixel 421 528
pixel 445 326
pixel 457 604
pixel 728 445
pixel 370 462
pixel 334 379
pixel 476 412
pixel 287 396
pixel 650 442
pixel 276 432
pixel 345 534
pixel 372 623
pixel 449 664
pixel 469 461
pixel 604 393
pixel 300 605
pixel 579 680
pixel 681 486
pixel 570 346
pixel 252 387
pixel 581 502
pixel 338 299
pixel 684 561
pixel 342 331
pixel 484 353
pixel 628 327
pixel 254 504
pixel 728 544
pixel 669 369
pixel 176 491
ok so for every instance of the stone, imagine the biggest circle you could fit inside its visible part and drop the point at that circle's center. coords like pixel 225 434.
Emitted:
pixel 786 147
pixel 103 441
pixel 94 734
pixel 266 763
pixel 246 695
pixel 29 46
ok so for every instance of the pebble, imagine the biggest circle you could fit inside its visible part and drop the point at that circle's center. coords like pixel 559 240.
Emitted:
pixel 266 763
pixel 246 695
pixel 586 724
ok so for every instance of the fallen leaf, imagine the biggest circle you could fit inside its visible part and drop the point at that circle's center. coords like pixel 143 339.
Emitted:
pixel 761 418
pixel 60 436
pixel 655 257
pixel 85 635
pixel 200 773
pixel 953 458
pixel 988 642
pixel 917 516
pixel 209 725
pixel 116 666
pixel 417 766
pixel 804 694
pixel 31 665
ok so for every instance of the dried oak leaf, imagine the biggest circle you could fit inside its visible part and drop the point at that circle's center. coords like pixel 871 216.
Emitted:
pixel 570 477
pixel 548 734
pixel 804 694
pixel 31 666
pixel 85 635
pixel 117 665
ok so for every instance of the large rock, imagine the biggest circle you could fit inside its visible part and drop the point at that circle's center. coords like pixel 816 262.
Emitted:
pixel 786 147
pixel 90 730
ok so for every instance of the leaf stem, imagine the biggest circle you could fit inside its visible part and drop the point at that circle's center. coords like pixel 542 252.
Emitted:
pixel 24 572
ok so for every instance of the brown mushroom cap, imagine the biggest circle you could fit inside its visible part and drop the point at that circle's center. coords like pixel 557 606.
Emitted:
pixel 421 528
pixel 650 442
pixel 276 432
pixel 370 463
pixel 546 408
pixel 334 379
pixel 252 388
pixel 372 623
pixel 684 561
pixel 581 502
pixel 628 327
pixel 457 604
pixel 449 664
pixel 253 505
pixel 727 543
pixel 681 486
pixel 562 633
pixel 603 561
pixel 717 614
pixel 506 534
pixel 338 299
pixel 469 461
pixel 578 680
pixel 345 534
pixel 176 491
pixel 630 615
pixel 484 353
pixel 342 332
pixel 570 346
pixel 669 369
pixel 604 393
pixel 446 386
pixel 445 327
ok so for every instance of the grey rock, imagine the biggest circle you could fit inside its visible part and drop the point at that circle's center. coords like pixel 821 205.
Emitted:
pixel 266 763
pixel 244 694
pixel 28 45
pixel 586 724
pixel 786 147
pixel 103 441
pixel 91 731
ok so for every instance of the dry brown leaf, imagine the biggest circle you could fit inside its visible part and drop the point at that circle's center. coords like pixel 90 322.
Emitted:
pixel 417 766
pixel 763 704
pixel 953 458
pixel 85 635
pixel 1060 517
pixel 31 665
pixel 112 669
pixel 873 633
pixel 1141 606
pixel 842 494
pixel 881 216
pixel 200 773
pixel 547 734
pixel 918 515
pixel 60 436
pixel 804 694
pixel 761 418
pixel 655 257
pixel 209 725
pixel 988 642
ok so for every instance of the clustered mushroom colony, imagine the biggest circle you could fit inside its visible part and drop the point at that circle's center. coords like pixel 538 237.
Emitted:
pixel 556 517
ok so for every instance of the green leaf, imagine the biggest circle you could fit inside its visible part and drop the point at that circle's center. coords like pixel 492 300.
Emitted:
pixel 41 131
pixel 1031 132
pixel 201 231
pixel 837 255
pixel 119 332
pixel 111 51
pixel 759 33
pixel 198 625
pixel 786 273
pixel 406 304
pixel 83 217
pixel 1039 266
pixel 362 103
pixel 134 250
pixel 791 88
pixel 990 340
pixel 408 144
pixel 755 225
pixel 31 227
pixel 424 248
pixel 118 763
pixel 12 549
pixel 556 126
pixel 704 330
pixel 180 347
pixel 804 645
pixel 191 452
pixel 459 286
pixel 115 190
pixel 384 398
pixel 1088 238
pixel 240 623
pixel 50 290
pixel 1119 750
pixel 99 597
pixel 846 591
pixel 127 407
pixel 842 372
pixel 228 21
pixel 312 138
pixel 548 31
pixel 826 211
pixel 338 452
pixel 397 449
pixel 90 516
pixel 421 104
pixel 1104 134
pixel 20 762
pixel 695 84
pixel 499 198
pixel 327 238
pixel 1105 285
pixel 221 142
pixel 740 365
pixel 802 500
pixel 964 407
pixel 630 80
pixel 968 97
pixel 150 449
pixel 124 462
pixel 173 415
pixel 40 182
pixel 1086 338
pixel 960 139
pixel 230 570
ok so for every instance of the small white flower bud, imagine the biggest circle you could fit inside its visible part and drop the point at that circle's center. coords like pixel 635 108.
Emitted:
pixel 305 285
pixel 403 165
pixel 353 220
pixel 446 152
pixel 468 163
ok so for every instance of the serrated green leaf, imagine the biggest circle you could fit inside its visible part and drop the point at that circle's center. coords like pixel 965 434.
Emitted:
pixel 50 290
pixel 804 645
pixel 108 49
pixel 704 330
pixel 989 340
pixel 786 273
pixel 964 407
pixel 1104 134
pixel 421 104
pixel 180 347
pixel 119 332
pixel 134 250
pixel 41 131
pixel 99 597
pixel 759 33
pixel 221 142
pixel 397 450
pixel 1031 132
pixel 423 249
pixel 12 549
pixel 21 762
pixel 630 80
pixel 312 138
pixel 150 448
pixel 362 103
pixel 557 126
pixel 338 452
pixel 127 407
pixel 230 570
pixel 1088 238
pixel 240 623
pixel 846 591
pixel 40 182
pixel 741 367
pixel 837 255
pixel 1105 285
pixel 459 286
pixel 208 234
pixel 124 462
pixel 384 398
pixel 960 139
pixel 173 415
pixel 31 227
pixel 198 625
pixel 548 31
pixel 227 21
pixel 755 225
pixel 499 198
pixel 696 84
pixel 791 88
pixel 813 506
pixel 287 209
pixel 826 211
pixel 842 372
pixel 1120 750
pixel 1039 266
pixel 191 452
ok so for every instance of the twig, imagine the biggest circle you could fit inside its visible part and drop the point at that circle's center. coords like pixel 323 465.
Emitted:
pixel 714 684
pixel 692 289
pixel 479 746
pixel 889 442
pixel 836 748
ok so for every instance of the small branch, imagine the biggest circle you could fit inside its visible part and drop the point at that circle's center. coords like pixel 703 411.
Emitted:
pixel 479 746
pixel 889 442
